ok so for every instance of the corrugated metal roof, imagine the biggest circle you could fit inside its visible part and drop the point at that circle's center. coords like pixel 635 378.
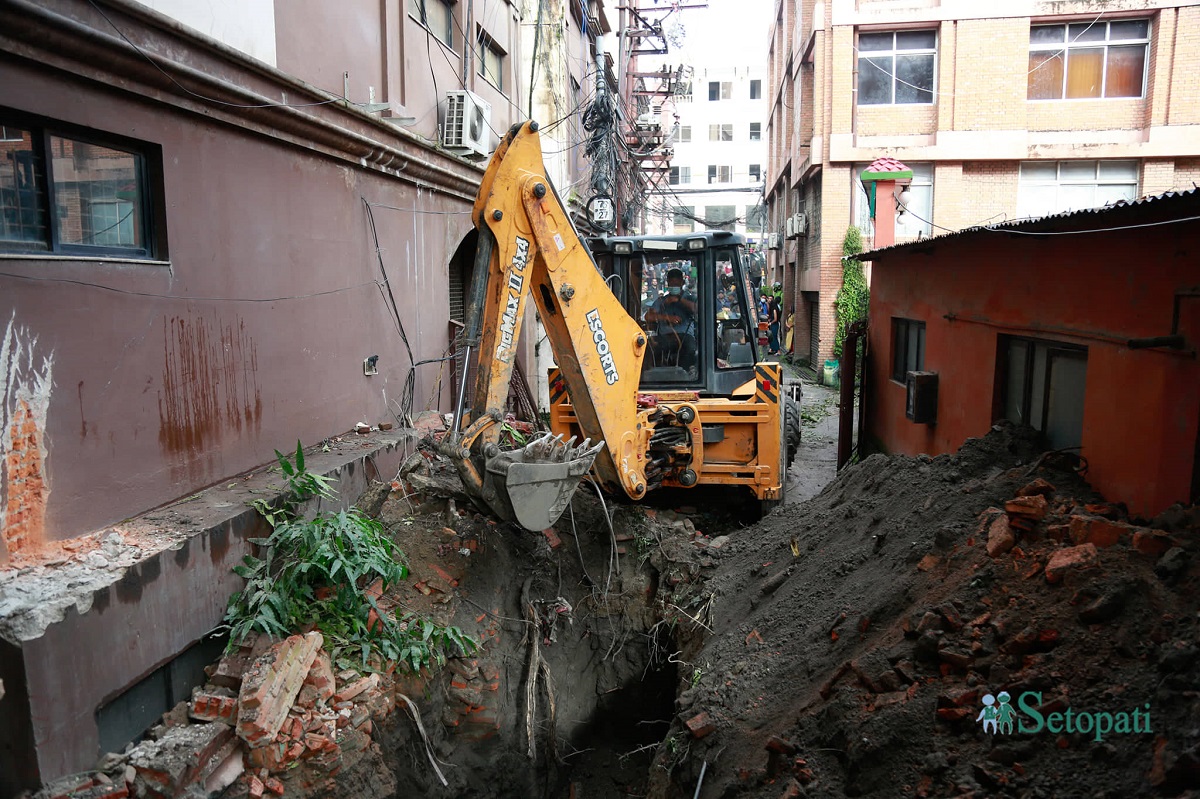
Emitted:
pixel 1155 208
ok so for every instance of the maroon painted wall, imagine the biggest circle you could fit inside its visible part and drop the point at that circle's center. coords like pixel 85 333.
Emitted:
pixel 1141 407
pixel 169 377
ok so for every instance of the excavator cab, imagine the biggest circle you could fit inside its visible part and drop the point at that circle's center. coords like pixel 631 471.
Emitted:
pixel 702 330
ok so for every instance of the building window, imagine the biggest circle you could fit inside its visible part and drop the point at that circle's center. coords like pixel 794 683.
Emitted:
pixel 756 90
pixel 1055 187
pixel 1042 385
pixel 680 174
pixel 908 347
pixel 684 219
pixel 896 67
pixel 720 132
pixel 685 134
pixel 720 174
pixel 755 131
pixel 720 90
pixel 437 16
pixel 918 215
pixel 491 61
pixel 755 173
pixel 720 217
pixel 756 218
pixel 1080 60
pixel 77 194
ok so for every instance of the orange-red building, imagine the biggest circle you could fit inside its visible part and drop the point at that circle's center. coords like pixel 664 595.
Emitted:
pixel 1083 325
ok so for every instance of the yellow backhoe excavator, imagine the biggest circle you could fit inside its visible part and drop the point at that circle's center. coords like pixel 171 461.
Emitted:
pixel 655 338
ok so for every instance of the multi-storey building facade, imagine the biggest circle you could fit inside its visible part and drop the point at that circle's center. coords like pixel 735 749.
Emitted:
pixel 1002 111
pixel 715 179
pixel 225 227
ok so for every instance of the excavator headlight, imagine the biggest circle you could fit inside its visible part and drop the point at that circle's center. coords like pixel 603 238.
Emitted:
pixel 623 247
pixel 696 244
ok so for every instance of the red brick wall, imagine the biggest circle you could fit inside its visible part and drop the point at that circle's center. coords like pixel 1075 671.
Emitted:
pixel 24 484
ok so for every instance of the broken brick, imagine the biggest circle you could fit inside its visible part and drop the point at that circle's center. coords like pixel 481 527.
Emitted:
pixel 700 725
pixel 1032 507
pixel 1069 559
pixel 552 538
pixel 355 688
pixel 256 787
pixel 1152 542
pixel 271 686
pixel 1038 486
pixel 781 745
pixel 219 704
pixel 1098 531
pixel 181 757
pixel 1000 537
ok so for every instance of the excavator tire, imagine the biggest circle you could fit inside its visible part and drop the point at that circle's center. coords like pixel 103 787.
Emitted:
pixel 791 429
pixel 789 446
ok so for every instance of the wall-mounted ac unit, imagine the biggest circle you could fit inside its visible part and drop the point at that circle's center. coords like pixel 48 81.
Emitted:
pixel 773 241
pixel 789 227
pixel 467 127
pixel 801 224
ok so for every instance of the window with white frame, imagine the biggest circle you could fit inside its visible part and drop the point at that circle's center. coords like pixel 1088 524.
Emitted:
pixel 679 174
pixel 491 61
pixel 720 90
pixel 755 131
pixel 756 89
pixel 1054 187
pixel 437 16
pixel 1088 59
pixel 685 134
pixel 720 174
pixel 916 221
pixel 896 67
pixel 722 132
pixel 755 173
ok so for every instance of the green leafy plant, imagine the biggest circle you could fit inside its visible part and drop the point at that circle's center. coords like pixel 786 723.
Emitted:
pixel 328 573
pixel 854 297
pixel 300 485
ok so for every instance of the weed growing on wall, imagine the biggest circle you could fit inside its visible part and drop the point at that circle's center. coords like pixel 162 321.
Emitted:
pixel 329 572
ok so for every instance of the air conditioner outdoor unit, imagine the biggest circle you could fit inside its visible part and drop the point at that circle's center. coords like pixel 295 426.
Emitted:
pixel 773 241
pixel 789 227
pixel 801 224
pixel 468 123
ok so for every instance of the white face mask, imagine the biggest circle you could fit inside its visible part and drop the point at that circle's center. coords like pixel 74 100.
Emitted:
pixel 675 291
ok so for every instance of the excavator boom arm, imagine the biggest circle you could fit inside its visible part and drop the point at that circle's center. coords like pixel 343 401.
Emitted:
pixel 531 249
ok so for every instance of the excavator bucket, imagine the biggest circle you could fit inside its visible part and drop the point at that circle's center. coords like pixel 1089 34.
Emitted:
pixel 539 480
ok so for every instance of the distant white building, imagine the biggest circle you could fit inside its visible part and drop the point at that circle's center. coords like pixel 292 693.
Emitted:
pixel 715 180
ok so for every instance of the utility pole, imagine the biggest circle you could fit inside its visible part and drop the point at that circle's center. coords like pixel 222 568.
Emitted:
pixel 646 151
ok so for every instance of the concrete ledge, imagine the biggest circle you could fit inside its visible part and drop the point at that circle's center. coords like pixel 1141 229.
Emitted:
pixel 76 635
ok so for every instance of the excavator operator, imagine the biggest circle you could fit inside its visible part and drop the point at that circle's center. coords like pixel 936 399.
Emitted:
pixel 675 315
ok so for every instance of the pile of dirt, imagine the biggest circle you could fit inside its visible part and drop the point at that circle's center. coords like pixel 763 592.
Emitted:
pixel 857 637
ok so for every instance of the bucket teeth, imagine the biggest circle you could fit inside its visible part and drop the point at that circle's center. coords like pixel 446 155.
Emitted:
pixel 553 449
